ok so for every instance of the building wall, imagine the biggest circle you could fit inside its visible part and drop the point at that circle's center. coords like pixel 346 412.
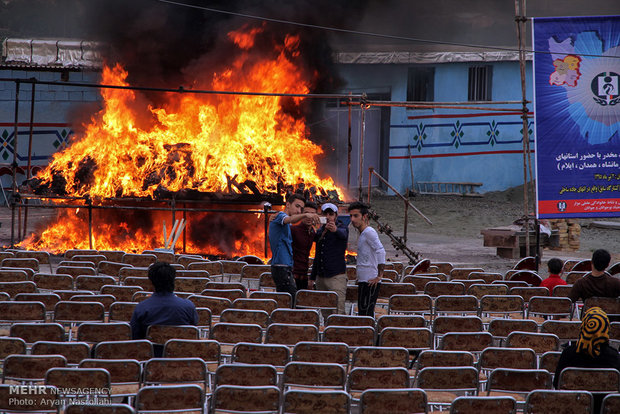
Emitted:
pixel 54 106
pixel 450 145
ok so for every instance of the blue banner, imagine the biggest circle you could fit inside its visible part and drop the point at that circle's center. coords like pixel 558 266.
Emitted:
pixel 577 116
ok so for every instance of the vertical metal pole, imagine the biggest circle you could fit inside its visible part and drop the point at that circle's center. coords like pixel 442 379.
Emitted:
pixel 29 153
pixel 521 19
pixel 266 208
pixel 410 168
pixel 185 228
pixel 370 170
pixel 406 222
pixel 14 185
pixel 89 203
pixel 349 148
pixel 173 206
pixel 361 149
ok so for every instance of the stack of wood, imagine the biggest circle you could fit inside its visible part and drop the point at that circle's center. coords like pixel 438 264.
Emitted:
pixel 569 232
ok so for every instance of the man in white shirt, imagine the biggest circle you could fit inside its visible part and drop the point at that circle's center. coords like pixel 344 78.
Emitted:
pixel 370 260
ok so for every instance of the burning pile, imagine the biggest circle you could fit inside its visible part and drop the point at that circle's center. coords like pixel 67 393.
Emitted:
pixel 196 142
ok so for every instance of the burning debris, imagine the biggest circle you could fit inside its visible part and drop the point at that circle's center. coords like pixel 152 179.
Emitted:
pixel 212 148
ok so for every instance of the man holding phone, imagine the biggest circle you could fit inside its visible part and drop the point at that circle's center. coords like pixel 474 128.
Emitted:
pixel 329 270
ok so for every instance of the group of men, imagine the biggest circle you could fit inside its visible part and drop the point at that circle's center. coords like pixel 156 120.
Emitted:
pixel 292 233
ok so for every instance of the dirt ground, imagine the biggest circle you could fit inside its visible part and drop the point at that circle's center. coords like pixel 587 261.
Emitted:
pixel 454 235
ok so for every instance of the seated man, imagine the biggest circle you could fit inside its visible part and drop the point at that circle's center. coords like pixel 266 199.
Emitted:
pixel 163 307
pixel 598 282
pixel 555 266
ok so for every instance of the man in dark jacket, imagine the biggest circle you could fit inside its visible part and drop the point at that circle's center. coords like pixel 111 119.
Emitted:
pixel 329 270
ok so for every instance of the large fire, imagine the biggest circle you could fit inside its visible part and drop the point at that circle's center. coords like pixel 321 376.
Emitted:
pixel 192 141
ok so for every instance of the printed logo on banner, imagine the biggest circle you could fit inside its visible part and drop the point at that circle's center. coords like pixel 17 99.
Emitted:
pixel 605 88
pixel 562 206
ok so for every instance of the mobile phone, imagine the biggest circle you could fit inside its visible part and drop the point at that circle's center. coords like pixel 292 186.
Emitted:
pixel 323 220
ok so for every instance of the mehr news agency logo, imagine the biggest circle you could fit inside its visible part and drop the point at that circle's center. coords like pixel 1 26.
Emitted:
pixel 605 89
pixel 29 395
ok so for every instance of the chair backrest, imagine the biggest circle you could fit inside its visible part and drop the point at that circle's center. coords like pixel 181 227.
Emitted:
pixel 400 321
pixel 76 271
pixel 328 352
pixel 488 277
pixel 466 341
pixel 501 328
pixel 502 304
pixel 13 275
pixel 69 311
pixel 480 290
pixel 406 400
pixel 265 305
pixel 94 258
pixel 206 349
pixel 528 276
pixel 527 292
pixel 75 379
pixel 363 378
pixel 139 349
pixel 121 293
pixel 611 306
pixel 94 283
pixel 527 263
pixel 562 290
pixel 550 306
pixel 461 379
pixel 539 342
pixel 139 260
pixel 253 271
pixel 410 304
pixel 439 358
pixel 190 284
pixel 518 380
pixel 565 330
pixel 444 324
pixel 14 288
pixel 316 299
pixel 283 299
pixel 259 317
pixel 410 338
pixel 515 358
pixel 107 267
pixel 460 304
pixel 246 375
pixel 160 334
pixel 582 266
pixel 549 361
pixel 314 375
pixel 229 398
pixel 251 353
pixel 289 334
pixel 351 335
pixel 217 305
pixel 611 404
pixel 380 357
pixel 435 289
pixel 463 272
pixel 33 332
pixel 121 311
pixel 74 352
pixel 389 289
pixel 232 333
pixel 126 272
pixel 590 379
pixel 420 267
pixel 349 320
pixel 30 367
pixel 29 263
pixel 227 285
pixel 550 401
pixel 10 346
pixel 296 316
pixel 175 370
pixel 122 371
pixel 95 408
pixel 481 404
pixel 170 398
pixel 315 401
pixel 22 311
pixel 572 277
pixel 420 281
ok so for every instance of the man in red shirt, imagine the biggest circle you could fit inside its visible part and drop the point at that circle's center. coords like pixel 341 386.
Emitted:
pixel 303 237
pixel 555 269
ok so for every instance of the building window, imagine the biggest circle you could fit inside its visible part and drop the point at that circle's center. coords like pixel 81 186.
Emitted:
pixel 480 78
pixel 421 84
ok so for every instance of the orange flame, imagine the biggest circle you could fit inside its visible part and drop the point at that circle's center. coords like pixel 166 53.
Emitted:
pixel 192 141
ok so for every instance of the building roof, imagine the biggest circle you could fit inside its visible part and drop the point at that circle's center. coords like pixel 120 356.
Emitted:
pixel 51 53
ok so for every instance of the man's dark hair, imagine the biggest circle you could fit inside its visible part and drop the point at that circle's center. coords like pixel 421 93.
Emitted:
pixel 555 266
pixel 600 259
pixel 295 196
pixel 311 204
pixel 358 205
pixel 162 277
